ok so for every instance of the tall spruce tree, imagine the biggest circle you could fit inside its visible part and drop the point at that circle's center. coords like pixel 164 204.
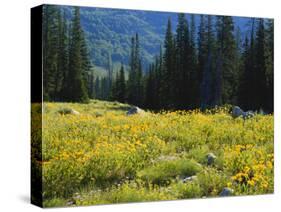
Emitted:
pixel 181 74
pixel 208 47
pixel 135 82
pixel 122 85
pixel 77 91
pixel 50 51
pixel 169 75
pixel 260 68
pixel 226 75
pixel 194 89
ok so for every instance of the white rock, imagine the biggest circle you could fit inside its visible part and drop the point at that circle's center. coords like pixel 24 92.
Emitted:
pixel 135 110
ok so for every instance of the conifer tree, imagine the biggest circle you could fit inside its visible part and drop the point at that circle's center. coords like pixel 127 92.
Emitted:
pixel 122 85
pixel 77 91
pixel 260 68
pixel 225 76
pixel 168 78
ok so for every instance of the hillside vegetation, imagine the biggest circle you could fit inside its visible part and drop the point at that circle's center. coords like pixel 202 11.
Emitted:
pixel 102 156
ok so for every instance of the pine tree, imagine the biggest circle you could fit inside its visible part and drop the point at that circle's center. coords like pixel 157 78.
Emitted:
pixel 208 45
pixel 122 85
pixel 87 71
pixel 77 91
pixel 245 80
pixel 182 75
pixel 135 82
pixel 132 74
pixel 193 68
pixel 168 78
pixel 260 68
pixel 226 76
pixel 50 50
pixel 150 88
pixel 62 57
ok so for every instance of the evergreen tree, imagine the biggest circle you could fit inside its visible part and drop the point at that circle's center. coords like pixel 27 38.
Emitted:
pixel 135 82
pixel 150 88
pixel 193 68
pixel 181 77
pixel 122 85
pixel 206 87
pixel 245 80
pixel 260 68
pixel 226 75
pixel 132 74
pixel 169 75
pixel 62 58
pixel 50 50
pixel 87 72
pixel 77 91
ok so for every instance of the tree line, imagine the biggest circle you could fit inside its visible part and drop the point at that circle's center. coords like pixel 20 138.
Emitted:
pixel 67 73
pixel 216 67
pixel 197 67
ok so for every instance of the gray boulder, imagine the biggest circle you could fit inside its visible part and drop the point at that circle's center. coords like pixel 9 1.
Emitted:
pixel 135 110
pixel 211 158
pixel 226 192
pixel 67 111
pixel 238 112
pixel 189 179
pixel 248 114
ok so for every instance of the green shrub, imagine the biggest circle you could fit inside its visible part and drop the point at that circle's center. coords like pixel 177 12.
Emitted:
pixel 211 181
pixel 187 190
pixel 164 171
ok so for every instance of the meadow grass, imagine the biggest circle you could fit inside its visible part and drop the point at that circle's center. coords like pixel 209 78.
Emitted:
pixel 103 156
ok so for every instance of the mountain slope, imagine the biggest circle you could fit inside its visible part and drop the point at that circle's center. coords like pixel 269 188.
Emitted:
pixel 109 32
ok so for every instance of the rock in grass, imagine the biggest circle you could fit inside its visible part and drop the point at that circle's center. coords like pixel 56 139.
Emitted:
pixel 237 112
pixel 211 158
pixel 226 192
pixel 248 114
pixel 70 203
pixel 67 111
pixel 189 179
pixel 135 110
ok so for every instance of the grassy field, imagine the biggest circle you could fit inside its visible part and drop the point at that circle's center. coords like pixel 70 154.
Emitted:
pixel 103 156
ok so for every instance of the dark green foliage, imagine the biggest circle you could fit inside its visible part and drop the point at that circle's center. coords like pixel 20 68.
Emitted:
pixel 66 64
pixel 208 65
pixel 226 74
pixel 269 57
pixel 169 75
pixel 119 86
pixel 50 51
pixel 77 90
pixel 135 81
pixel 256 79
pixel 211 68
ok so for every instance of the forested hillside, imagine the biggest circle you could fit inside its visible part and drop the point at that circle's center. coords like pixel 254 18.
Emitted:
pixel 204 61
pixel 109 31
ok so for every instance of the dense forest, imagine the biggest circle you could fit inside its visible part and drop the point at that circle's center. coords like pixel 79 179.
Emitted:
pixel 197 66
